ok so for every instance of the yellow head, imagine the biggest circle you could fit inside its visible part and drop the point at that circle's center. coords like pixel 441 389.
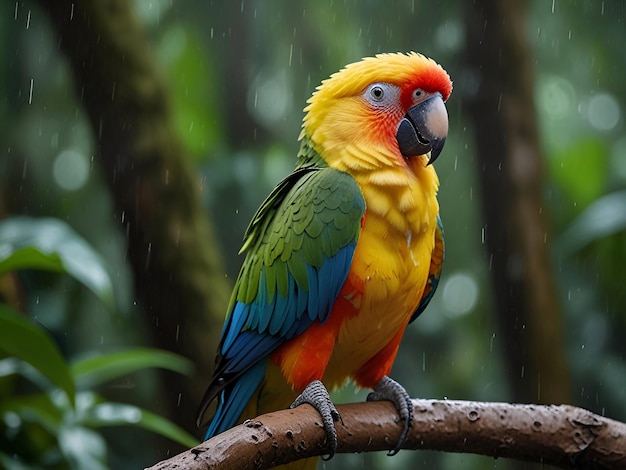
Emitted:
pixel 379 112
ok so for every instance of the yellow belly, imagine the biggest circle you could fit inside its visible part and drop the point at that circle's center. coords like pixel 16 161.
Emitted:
pixel 393 268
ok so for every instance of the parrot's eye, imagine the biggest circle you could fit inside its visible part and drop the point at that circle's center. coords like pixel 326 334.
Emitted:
pixel 418 93
pixel 377 93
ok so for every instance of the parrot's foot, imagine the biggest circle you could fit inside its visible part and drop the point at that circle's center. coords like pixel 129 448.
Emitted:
pixel 389 389
pixel 316 395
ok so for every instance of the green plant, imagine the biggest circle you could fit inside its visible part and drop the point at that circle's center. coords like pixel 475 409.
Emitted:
pixel 52 416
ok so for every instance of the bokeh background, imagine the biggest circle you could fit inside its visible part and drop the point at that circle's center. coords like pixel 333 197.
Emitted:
pixel 234 77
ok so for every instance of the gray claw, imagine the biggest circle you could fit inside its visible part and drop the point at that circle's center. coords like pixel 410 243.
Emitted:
pixel 316 395
pixel 390 390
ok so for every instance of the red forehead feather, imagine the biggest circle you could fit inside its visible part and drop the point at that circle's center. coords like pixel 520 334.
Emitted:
pixel 432 80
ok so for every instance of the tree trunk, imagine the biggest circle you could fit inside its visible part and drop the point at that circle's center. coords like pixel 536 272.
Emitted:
pixel 510 170
pixel 177 269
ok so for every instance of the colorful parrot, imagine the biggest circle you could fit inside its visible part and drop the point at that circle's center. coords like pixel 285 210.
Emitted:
pixel 344 253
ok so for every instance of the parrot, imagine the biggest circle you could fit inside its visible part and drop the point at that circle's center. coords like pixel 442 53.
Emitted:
pixel 343 254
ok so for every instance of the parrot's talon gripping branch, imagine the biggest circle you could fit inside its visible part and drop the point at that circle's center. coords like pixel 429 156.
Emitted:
pixel 316 395
pixel 389 389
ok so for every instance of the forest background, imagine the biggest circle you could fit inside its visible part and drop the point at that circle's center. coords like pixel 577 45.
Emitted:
pixel 149 135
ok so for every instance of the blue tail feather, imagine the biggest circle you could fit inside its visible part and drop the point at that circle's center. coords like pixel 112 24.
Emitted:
pixel 232 402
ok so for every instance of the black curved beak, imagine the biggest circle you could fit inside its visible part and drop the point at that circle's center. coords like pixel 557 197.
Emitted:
pixel 424 129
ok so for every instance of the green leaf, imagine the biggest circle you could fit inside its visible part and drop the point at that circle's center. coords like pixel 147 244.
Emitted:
pixel 30 258
pixel 95 370
pixel 604 217
pixel 22 338
pixel 50 244
pixel 116 414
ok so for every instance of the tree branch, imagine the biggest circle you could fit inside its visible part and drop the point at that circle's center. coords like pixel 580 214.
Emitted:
pixel 564 436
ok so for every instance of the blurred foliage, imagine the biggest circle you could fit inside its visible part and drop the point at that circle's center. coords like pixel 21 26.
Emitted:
pixel 51 414
pixel 240 73
pixel 51 245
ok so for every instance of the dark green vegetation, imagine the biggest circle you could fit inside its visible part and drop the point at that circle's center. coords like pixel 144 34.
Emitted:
pixel 209 111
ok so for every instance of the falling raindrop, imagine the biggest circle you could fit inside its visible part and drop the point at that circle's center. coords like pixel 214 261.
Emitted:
pixel 149 255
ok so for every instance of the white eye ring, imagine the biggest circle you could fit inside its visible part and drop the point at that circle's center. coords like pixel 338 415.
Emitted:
pixel 377 93
pixel 418 93
pixel 381 94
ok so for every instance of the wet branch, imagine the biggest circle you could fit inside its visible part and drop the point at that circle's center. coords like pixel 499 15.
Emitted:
pixel 563 436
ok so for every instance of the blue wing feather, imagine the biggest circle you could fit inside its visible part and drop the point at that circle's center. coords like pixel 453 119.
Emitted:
pixel 234 326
